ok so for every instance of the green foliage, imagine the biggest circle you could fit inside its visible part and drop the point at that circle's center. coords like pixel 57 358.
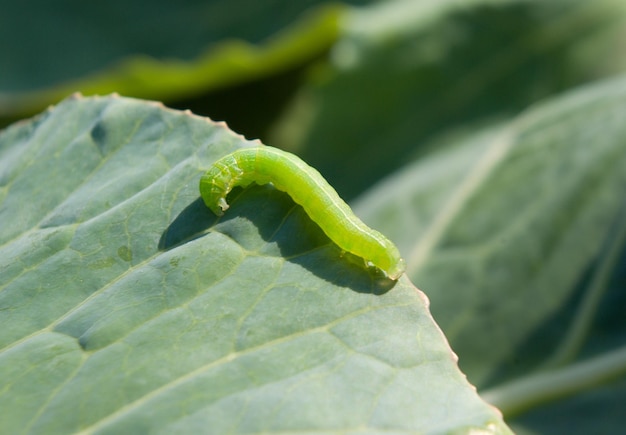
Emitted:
pixel 129 307
pixel 405 73
pixel 158 50
pixel 526 221
pixel 484 137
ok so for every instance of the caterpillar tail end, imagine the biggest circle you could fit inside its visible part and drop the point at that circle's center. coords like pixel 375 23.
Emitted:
pixel 396 270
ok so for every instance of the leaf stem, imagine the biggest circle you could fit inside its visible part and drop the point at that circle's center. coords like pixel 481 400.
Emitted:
pixel 519 395
pixel 583 319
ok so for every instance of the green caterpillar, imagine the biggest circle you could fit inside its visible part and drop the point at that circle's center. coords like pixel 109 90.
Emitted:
pixel 307 187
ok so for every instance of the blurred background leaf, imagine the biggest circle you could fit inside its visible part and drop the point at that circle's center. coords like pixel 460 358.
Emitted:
pixel 162 50
pixel 405 73
pixel 527 223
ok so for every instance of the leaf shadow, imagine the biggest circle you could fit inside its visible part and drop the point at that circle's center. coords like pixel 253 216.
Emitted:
pixel 190 224
pixel 266 221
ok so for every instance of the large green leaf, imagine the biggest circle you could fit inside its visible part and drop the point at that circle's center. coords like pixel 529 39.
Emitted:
pixel 127 307
pixel 518 236
pixel 405 72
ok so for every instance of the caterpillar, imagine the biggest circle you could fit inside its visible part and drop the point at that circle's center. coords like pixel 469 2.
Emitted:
pixel 307 187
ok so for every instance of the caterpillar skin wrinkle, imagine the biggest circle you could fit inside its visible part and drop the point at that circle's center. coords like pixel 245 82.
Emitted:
pixel 307 187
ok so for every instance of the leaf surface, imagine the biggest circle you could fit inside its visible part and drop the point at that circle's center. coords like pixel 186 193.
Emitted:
pixel 128 307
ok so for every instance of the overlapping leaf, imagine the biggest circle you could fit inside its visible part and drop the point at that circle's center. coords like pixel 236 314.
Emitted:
pixel 158 49
pixel 407 72
pixel 526 222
